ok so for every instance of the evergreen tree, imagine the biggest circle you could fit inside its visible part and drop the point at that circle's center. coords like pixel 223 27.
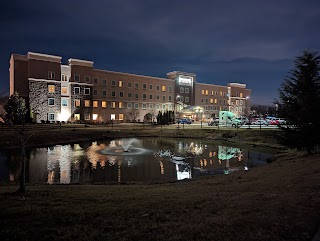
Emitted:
pixel 300 101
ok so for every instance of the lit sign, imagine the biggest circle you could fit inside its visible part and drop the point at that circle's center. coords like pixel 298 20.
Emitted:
pixel 185 80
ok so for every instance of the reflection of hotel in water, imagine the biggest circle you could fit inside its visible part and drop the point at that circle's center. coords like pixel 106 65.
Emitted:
pixel 74 163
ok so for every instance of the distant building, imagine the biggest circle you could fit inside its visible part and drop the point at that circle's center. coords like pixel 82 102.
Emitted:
pixel 77 91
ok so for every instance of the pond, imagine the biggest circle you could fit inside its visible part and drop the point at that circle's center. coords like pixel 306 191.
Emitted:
pixel 129 160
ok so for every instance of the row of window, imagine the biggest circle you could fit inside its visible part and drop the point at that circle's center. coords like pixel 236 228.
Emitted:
pixel 214 101
pixel 221 93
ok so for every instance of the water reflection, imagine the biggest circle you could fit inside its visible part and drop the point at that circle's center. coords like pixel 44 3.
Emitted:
pixel 170 159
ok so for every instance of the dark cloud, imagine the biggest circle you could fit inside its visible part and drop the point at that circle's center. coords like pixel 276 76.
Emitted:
pixel 252 42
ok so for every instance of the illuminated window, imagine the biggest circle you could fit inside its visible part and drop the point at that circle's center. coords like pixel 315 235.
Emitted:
pixel 64 102
pixel 87 91
pixel 120 105
pixel 207 92
pixel 163 88
pixel 94 116
pixel 237 102
pixel 103 104
pixel 211 101
pixel 51 75
pixel 113 104
pixel 241 95
pixel 87 103
pixel 202 92
pixel 220 93
pixel 51 88
pixel 64 90
pixel 76 102
pixel 215 101
pixel 95 103
pixel 144 106
pixel 77 78
pixel 136 105
pixel 76 90
pixel 87 79
pixel 212 92
pixel 120 83
pixel 129 105
pixel 120 116
pixel 51 101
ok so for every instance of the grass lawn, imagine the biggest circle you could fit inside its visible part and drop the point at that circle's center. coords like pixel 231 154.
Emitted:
pixel 279 201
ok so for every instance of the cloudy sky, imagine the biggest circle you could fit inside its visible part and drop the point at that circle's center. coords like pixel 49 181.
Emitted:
pixel 252 42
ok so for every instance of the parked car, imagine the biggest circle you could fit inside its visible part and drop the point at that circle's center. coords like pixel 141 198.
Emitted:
pixel 244 120
pixel 260 122
pixel 185 121
pixel 274 122
pixel 213 122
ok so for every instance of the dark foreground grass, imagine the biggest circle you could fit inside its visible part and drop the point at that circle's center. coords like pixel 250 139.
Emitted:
pixel 276 202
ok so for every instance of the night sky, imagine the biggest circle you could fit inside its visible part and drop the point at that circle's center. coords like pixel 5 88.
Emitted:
pixel 252 42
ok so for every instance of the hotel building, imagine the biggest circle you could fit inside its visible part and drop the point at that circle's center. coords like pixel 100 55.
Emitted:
pixel 77 91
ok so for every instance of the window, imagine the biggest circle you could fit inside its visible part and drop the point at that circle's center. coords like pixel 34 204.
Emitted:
pixel 136 105
pixel 224 93
pixel 136 95
pixel 95 92
pixel 113 104
pixel 202 100
pixel 144 106
pixel 51 101
pixel 64 102
pixel 76 102
pixel 129 84
pixel 164 98
pixel 150 106
pixel 163 107
pixel 187 99
pixel 51 116
pixel 220 101
pixel 150 86
pixel 120 105
pixel 220 93
pixel 163 88
pixel 216 93
pixel 77 78
pixel 104 81
pixel 120 116
pixel 144 96
pixel 170 107
pixel 94 116
pixel 103 104
pixel 87 116
pixel 170 88
pixel 158 87
pixel 241 95
pixel 186 90
pixel 211 101
pixel 113 83
pixel 87 103
pixel 104 93
pixel 51 88
pixel 158 97
pixel 181 90
pixel 129 95
pixel 64 90
pixel 120 83
pixel 237 102
pixel 95 103
pixel 87 79
pixel 206 100
pixel 129 105
pixel 144 86
pixel 211 92
pixel 76 90
pixel 136 85
pixel 87 91
pixel 95 81
pixel 202 92
pixel 64 77
pixel 207 92
pixel 157 106
pixel 170 98
pixel 215 101
pixel 150 97
pixel 113 94
pixel 51 75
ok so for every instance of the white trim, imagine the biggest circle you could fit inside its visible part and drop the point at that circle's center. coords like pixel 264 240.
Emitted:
pixel 78 83
pixel 182 73
pixel 44 55
pixel 45 80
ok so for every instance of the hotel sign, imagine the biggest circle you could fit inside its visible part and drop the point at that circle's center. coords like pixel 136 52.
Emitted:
pixel 185 80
